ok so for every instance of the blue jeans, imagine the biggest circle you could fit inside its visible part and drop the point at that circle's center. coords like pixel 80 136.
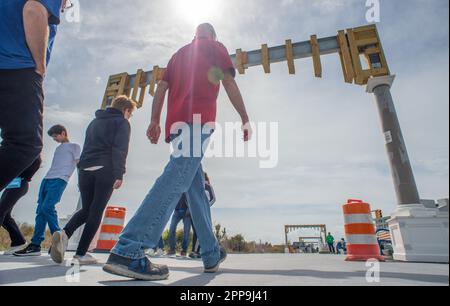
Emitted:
pixel 181 175
pixel 160 245
pixel 50 194
pixel 179 215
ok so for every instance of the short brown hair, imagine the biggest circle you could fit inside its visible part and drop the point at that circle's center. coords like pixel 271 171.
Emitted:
pixel 57 130
pixel 123 103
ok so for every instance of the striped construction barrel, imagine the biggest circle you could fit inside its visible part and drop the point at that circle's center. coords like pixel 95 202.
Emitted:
pixel 112 226
pixel 362 243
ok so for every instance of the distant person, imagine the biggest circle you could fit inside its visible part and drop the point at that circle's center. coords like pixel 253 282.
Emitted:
pixel 101 170
pixel 341 245
pixel 64 163
pixel 212 199
pixel 27 32
pixel 181 213
pixel 9 199
pixel 330 242
pixel 193 79
pixel 158 251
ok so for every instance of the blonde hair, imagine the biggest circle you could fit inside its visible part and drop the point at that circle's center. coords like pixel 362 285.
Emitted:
pixel 123 103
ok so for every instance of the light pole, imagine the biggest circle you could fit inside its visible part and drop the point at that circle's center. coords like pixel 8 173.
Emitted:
pixel 418 234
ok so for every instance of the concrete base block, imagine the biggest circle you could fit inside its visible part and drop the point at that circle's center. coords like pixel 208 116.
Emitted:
pixel 420 234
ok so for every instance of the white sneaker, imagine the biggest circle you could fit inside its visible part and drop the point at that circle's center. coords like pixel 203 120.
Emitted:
pixel 151 252
pixel 12 250
pixel 85 260
pixel 160 252
pixel 59 246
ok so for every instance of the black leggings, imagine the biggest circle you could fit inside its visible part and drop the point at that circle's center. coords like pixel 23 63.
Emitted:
pixel 96 188
pixel 7 202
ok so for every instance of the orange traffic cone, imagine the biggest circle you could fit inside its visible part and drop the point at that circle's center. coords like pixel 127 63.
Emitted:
pixel 362 243
pixel 112 226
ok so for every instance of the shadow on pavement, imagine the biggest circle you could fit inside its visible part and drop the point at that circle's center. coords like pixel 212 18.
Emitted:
pixel 199 279
pixel 441 279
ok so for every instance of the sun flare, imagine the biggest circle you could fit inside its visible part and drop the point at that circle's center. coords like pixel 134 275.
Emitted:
pixel 197 11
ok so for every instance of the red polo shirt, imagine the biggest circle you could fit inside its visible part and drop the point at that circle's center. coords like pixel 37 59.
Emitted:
pixel 194 74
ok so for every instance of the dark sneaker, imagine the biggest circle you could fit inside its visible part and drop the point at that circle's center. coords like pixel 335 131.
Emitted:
pixel 171 253
pixel 194 255
pixel 215 268
pixel 183 254
pixel 30 250
pixel 139 269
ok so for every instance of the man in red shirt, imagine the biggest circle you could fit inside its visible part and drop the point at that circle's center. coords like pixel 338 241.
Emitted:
pixel 193 79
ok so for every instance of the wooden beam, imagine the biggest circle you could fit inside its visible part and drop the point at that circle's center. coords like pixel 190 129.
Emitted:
pixel 116 86
pixel 153 81
pixel 354 51
pixel 346 58
pixel 316 56
pixel 290 56
pixel 241 60
pixel 265 58
pixel 137 84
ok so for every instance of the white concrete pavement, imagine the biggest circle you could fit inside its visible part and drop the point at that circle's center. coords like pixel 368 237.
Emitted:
pixel 238 270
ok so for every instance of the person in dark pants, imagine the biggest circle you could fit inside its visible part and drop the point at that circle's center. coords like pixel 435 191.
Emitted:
pixel 341 245
pixel 212 199
pixel 27 33
pixel 101 170
pixel 181 213
pixel 9 199
pixel 330 242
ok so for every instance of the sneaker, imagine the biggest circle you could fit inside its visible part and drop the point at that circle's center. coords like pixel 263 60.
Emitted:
pixel 59 246
pixel 85 260
pixel 171 253
pixel 139 269
pixel 159 253
pixel 194 255
pixel 215 268
pixel 183 254
pixel 30 250
pixel 13 250
pixel 151 253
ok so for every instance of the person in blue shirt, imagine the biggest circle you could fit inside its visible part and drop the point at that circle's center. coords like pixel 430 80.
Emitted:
pixel 27 32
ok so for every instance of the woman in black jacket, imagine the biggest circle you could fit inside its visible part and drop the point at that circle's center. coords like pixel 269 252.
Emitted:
pixel 101 170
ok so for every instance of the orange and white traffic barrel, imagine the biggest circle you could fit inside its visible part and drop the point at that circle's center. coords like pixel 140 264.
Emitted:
pixel 112 226
pixel 362 243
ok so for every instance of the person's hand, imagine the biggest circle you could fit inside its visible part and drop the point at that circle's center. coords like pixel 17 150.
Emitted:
pixel 117 184
pixel 247 131
pixel 41 71
pixel 154 132
pixel 63 6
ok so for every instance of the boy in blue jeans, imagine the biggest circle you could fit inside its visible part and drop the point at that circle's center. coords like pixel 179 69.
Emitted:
pixel 65 160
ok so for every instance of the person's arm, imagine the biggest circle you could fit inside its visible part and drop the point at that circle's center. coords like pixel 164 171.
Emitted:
pixel 235 96
pixel 35 20
pixel 212 195
pixel 154 130
pixel 77 154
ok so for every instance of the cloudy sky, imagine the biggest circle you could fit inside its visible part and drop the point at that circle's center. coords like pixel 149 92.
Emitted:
pixel 330 144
